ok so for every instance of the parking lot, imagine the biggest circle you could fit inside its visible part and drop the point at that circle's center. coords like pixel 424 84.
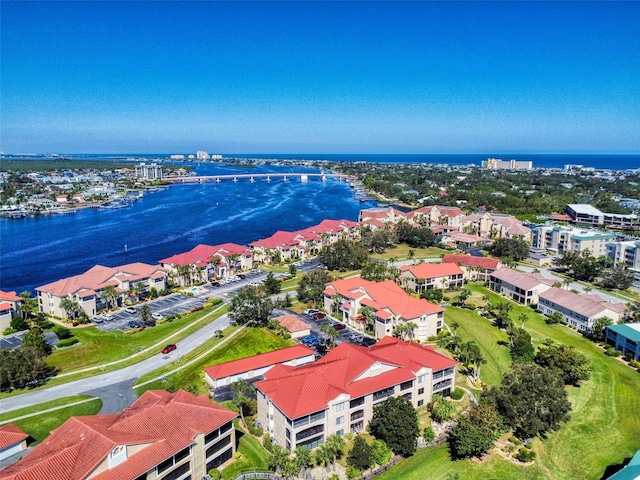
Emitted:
pixel 15 340
pixel 165 306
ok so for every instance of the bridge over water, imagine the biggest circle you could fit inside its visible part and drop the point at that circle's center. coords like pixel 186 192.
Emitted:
pixel 252 177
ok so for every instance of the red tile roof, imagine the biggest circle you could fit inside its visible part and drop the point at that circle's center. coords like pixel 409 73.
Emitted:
pixel 159 423
pixel 526 281
pixel 302 390
pixel 469 261
pixel 260 360
pixel 382 295
pixel 10 435
pixel 200 255
pixel 98 277
pixel 432 270
pixel 5 306
pixel 10 296
pixel 291 323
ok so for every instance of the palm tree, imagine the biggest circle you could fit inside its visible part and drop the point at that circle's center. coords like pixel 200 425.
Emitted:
pixel 336 298
pixel 28 305
pixel 335 444
pixel 454 326
pixel 72 309
pixel 303 459
pixel 410 328
pixel 523 318
pixel 109 294
pixel 411 254
pixel 369 317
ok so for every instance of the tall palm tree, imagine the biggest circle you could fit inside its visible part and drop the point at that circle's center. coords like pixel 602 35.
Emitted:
pixel 28 305
pixel 109 294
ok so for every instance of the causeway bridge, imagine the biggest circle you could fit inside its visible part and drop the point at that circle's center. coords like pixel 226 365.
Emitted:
pixel 252 177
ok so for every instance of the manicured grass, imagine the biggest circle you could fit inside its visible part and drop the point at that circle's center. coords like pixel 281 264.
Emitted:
pixel 476 328
pixel 249 342
pixel 604 428
pixel 40 426
pixel 401 252
pixel 253 456
pixel 33 410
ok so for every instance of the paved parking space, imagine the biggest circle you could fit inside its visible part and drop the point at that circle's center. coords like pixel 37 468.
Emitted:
pixel 224 393
pixel 165 306
pixel 15 340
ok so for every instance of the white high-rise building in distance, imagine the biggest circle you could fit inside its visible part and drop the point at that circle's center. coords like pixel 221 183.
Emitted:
pixel 202 155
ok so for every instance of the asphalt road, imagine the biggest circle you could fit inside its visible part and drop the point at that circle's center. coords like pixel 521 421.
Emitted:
pixel 114 388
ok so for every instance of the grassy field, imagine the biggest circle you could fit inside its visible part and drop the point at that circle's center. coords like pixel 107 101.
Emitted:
pixel 39 425
pixel 253 456
pixel 604 428
pixel 250 341
pixel 401 252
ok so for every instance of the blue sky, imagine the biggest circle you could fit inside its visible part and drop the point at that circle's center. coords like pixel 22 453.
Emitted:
pixel 326 77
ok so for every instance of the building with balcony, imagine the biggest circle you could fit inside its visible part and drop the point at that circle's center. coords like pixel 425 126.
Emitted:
pixel 625 337
pixel 431 276
pixel 389 304
pixel 9 308
pixel 585 214
pixel 207 262
pixel 498 164
pixel 151 171
pixel 519 286
pixel 87 289
pixel 168 436
pixel 580 310
pixel 625 254
pixel 302 406
pixel 473 268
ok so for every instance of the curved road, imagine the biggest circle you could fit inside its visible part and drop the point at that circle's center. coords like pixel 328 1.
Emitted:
pixel 115 388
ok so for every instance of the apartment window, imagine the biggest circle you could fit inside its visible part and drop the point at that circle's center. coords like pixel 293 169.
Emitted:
pixel 405 385
pixel 356 402
pixel 380 394
pixel 340 432
pixel 340 407
pixel 219 445
pixel 421 379
pixel 420 403
pixel 356 415
pixel 420 391
pixel 178 472
pixel 309 432
pixel 340 420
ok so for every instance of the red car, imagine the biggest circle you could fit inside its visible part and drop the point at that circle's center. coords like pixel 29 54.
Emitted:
pixel 319 315
pixel 169 348
pixel 339 326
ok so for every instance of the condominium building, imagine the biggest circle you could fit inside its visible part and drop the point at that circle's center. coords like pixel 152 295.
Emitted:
pixel 473 268
pixel 87 289
pixel 519 286
pixel 391 306
pixel 498 164
pixel 9 308
pixel 302 406
pixel 167 436
pixel 430 276
pixel 580 310
pixel 149 171
pixel 585 214
pixel 625 254
pixel 625 337
pixel 558 239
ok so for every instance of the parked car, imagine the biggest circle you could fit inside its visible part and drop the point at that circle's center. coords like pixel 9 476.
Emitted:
pixel 215 284
pixel 169 348
pixel 319 315
pixel 310 312
pixel 97 319
pixel 339 326
pixel 134 324
pixel 242 276
pixel 130 310
pixel 107 317
pixel 367 341
pixel 157 316
pixel 310 339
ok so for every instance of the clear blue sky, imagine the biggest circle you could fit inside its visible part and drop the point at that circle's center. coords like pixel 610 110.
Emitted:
pixel 306 77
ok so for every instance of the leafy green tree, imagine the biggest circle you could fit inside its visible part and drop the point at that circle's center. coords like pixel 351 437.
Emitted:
pixel 241 396
pixel 572 365
pixel 599 328
pixel 28 305
pixel 378 272
pixel 555 318
pixel 380 452
pixel 395 422
pixel 475 433
pixel 271 284
pixel 514 248
pixel 360 455
pixel 432 295
pixel 19 324
pixel 521 346
pixel 441 409
pixel 251 305
pixel 463 296
pixel 34 339
pixel 312 285
pixel 145 314
pixel 335 444
pixel 293 271
pixel 532 400
pixel 344 255
pixel 617 278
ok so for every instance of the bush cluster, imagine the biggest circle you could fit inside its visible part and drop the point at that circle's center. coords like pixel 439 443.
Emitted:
pixel 525 455
pixel 457 394
pixel 67 342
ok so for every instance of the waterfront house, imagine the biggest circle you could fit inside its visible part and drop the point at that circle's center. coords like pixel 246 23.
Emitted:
pixel 519 286
pixel 379 217
pixel 88 289
pixel 437 215
pixel 580 310
pixel 161 436
pixel 250 368
pixel 430 276
pixel 389 305
pixel 625 337
pixel 473 268
pixel 206 262
pixel 302 406
pixel 9 308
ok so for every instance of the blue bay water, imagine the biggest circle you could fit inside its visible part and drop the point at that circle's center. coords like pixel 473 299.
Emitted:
pixel 36 251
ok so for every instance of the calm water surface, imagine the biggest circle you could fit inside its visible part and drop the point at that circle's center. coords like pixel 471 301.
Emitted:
pixel 36 251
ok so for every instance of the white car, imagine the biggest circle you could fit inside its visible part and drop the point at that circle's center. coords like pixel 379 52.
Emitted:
pixel 157 316
pixel 130 310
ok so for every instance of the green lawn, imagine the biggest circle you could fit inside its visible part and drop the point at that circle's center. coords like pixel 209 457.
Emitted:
pixel 250 341
pixel 39 426
pixel 253 456
pixel 401 252
pixel 604 428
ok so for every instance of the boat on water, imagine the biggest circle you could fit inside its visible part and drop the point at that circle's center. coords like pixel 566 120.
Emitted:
pixel 115 203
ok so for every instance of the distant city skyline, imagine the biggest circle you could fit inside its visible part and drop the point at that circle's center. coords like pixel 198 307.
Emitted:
pixel 320 77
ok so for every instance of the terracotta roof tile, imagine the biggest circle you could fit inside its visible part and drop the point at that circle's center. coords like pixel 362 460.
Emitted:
pixel 10 435
pixel 291 323
pixel 432 270
pixel 471 261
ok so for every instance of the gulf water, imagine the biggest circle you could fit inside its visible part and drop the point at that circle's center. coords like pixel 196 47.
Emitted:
pixel 37 251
